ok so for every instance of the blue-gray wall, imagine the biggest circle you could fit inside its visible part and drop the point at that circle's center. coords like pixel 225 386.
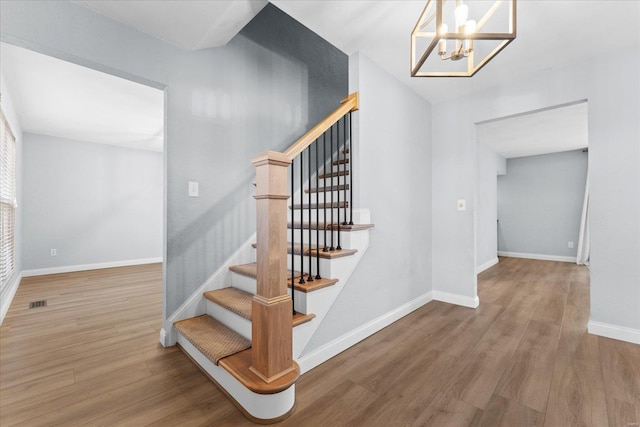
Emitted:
pixel 261 91
pixel 540 203
pixel 93 203
pixel 392 137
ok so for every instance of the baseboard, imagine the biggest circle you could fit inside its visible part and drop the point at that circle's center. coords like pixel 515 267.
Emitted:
pixel 85 267
pixel 615 332
pixel 195 304
pixel 9 293
pixel 487 265
pixel 541 257
pixel 340 344
pixel 463 300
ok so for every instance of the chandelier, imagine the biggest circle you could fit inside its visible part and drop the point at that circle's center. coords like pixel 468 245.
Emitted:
pixel 463 45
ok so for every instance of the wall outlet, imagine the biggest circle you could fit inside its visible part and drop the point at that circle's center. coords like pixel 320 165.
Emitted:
pixel 193 189
pixel 54 252
pixel 570 244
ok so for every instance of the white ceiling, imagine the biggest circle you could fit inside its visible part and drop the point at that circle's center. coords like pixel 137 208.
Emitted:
pixel 540 132
pixel 58 98
pixel 549 33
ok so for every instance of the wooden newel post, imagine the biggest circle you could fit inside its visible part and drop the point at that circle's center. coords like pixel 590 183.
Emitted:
pixel 272 312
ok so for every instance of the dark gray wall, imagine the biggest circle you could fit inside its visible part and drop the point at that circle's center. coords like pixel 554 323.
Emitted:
pixel 260 92
pixel 540 203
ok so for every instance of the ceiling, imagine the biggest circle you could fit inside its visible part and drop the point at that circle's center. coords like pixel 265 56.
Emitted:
pixel 540 132
pixel 58 98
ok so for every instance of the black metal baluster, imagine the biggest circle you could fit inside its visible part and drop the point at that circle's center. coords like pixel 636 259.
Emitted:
pixel 310 276
pixel 350 171
pixel 332 248
pixel 301 281
pixel 293 238
pixel 344 180
pixel 317 213
pixel 344 161
pixel 324 191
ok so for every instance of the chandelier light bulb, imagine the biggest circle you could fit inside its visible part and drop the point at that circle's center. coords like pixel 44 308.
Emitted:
pixel 469 28
pixel 442 44
pixel 462 13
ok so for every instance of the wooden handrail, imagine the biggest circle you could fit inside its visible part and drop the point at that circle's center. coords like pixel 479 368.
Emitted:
pixel 350 103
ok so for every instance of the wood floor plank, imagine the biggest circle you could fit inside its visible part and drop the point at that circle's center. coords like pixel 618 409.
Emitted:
pixel 503 412
pixel 91 357
pixel 528 378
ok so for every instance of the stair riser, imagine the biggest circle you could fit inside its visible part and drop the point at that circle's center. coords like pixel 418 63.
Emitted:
pixel 321 197
pixel 313 216
pixel 242 282
pixel 337 180
pixel 348 239
pixel 329 268
pixel 231 320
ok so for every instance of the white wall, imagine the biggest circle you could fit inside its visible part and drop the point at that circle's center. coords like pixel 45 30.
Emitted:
pixel 93 203
pixel 540 205
pixel 12 285
pixel 611 86
pixel 392 178
pixel 489 165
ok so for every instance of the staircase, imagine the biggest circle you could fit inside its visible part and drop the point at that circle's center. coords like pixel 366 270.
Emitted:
pixel 254 328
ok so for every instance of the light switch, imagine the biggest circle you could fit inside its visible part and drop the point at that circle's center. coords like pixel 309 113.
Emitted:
pixel 193 189
pixel 462 205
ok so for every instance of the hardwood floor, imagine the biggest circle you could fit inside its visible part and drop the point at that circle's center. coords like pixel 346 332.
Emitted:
pixel 523 358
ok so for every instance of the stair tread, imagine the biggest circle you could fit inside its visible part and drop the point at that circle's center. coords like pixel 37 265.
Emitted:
pixel 300 318
pixel 335 204
pixel 334 174
pixel 233 299
pixel 239 366
pixel 211 337
pixel 341 161
pixel 337 253
pixel 328 189
pixel 331 226
pixel 251 270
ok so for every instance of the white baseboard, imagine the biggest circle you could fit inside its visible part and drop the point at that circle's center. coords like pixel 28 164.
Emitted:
pixel 616 332
pixel 487 265
pixel 7 297
pixel 84 267
pixel 340 344
pixel 195 305
pixel 541 257
pixel 463 300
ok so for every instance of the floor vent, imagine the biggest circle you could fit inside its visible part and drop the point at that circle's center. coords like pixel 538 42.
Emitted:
pixel 36 304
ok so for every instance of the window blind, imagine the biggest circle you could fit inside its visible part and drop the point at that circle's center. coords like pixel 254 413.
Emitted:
pixel 7 201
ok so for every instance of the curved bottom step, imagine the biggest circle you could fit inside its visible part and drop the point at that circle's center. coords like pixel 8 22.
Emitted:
pixel 257 407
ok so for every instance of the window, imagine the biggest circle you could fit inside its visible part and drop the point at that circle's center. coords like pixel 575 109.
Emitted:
pixel 7 201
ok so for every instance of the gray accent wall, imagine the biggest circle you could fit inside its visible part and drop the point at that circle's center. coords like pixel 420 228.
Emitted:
pixel 93 203
pixel 264 89
pixel 540 204
pixel 611 86
pixel 392 175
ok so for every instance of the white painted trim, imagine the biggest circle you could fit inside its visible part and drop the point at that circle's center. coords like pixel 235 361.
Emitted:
pixel 616 332
pixel 84 267
pixel 457 299
pixel 542 257
pixel 9 293
pixel 340 344
pixel 195 305
pixel 487 265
